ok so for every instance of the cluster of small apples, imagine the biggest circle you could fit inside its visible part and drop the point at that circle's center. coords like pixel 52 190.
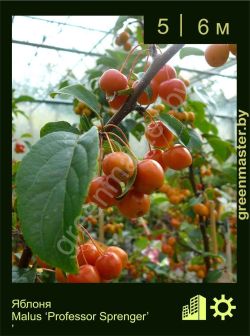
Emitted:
pixel 119 167
pixel 183 116
pixel 217 54
pixel 165 84
pixel 175 195
pixel 216 262
pixel 138 270
pixel 20 148
pixel 206 171
pixel 82 109
pixel 176 157
pixel 98 263
pixel 168 246
pixel 202 209
pixel 200 270
pixel 175 217
pixel 113 227
pixel 175 222
pixel 155 110
pixel 123 40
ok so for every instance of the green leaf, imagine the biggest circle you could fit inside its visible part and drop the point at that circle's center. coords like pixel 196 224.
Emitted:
pixel 176 127
pixel 57 127
pixel 134 127
pixel 198 107
pixel 188 51
pixel 16 112
pixel 15 167
pixel 213 129
pixel 226 214
pixel 222 149
pixel 93 73
pixel 26 135
pixel 52 184
pixel 139 35
pixel 14 219
pixel 195 141
pixel 21 99
pixel 81 93
pixel 23 275
pixel 212 276
pixel 230 174
pixel 159 198
pixel 106 147
pixel 195 200
pixel 129 184
pixel 85 124
pixel 119 23
pixel 27 143
pixel 63 84
pixel 138 131
pixel 210 192
pixel 141 243
pixel 199 161
pixel 108 62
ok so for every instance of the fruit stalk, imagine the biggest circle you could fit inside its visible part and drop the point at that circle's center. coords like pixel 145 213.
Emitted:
pixel 101 225
pixel 228 251
pixel 158 63
pixel 205 243
pixel 192 180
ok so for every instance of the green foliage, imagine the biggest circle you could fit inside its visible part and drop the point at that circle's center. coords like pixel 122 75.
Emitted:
pixel 139 34
pixel 122 20
pixel 190 51
pixel 214 275
pixel 57 127
pixel 85 124
pixel 26 135
pixel 222 149
pixel 176 127
pixel 52 183
pixel 82 94
pixel 22 99
pixel 129 185
pixel 134 127
pixel 15 109
pixel 195 142
pixel 200 117
pixel 141 243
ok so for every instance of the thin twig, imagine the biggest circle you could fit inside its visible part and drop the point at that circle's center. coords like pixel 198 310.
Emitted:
pixel 202 224
pixel 192 180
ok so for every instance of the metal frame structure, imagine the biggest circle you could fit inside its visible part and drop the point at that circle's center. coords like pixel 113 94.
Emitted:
pixel 200 74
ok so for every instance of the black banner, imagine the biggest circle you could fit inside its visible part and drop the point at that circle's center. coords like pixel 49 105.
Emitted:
pixel 135 308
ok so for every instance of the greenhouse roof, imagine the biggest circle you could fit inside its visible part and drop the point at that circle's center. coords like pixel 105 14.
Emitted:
pixel 63 45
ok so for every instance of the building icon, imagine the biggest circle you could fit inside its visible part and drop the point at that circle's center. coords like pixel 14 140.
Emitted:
pixel 196 310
